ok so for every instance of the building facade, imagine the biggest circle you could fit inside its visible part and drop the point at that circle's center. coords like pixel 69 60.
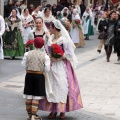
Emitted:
pixel 38 2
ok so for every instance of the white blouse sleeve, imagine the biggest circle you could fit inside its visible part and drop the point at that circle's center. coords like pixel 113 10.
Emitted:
pixel 47 63
pixel 23 63
pixel 77 17
pixel 30 35
pixel 69 53
pixel 2 26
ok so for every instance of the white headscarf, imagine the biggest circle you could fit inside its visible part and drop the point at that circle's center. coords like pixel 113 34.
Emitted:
pixel 18 14
pixel 36 14
pixel 64 9
pixel 29 18
pixel 49 19
pixel 75 11
pixel 65 34
pixel 22 13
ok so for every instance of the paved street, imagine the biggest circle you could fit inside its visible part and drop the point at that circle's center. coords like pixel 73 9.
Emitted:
pixel 99 84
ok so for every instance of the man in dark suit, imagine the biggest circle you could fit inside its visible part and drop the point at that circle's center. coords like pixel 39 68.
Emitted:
pixel 8 8
pixel 59 7
pixel 82 7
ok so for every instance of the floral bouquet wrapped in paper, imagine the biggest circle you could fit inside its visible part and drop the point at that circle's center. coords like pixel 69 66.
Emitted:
pixel 29 45
pixel 56 51
pixel 77 23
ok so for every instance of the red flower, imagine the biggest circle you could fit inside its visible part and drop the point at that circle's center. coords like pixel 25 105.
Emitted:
pixel 77 21
pixel 29 42
pixel 56 51
pixel 33 16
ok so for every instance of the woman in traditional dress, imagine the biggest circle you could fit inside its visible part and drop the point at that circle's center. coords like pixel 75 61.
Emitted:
pixel 59 15
pixel 62 91
pixel 87 24
pixel 12 39
pixel 27 24
pixel 77 7
pixel 65 10
pixel 39 31
pixel 65 22
pixel 2 30
pixel 47 17
pixel 36 13
pixel 77 30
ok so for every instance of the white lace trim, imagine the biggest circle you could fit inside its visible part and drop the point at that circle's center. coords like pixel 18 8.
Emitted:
pixel 33 97
pixel 59 83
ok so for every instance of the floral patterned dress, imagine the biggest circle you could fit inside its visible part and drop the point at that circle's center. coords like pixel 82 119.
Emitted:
pixel 12 39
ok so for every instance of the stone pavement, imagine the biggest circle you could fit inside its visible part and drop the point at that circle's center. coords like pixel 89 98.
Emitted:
pixel 99 84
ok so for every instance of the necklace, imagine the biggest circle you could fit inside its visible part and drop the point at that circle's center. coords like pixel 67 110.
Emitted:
pixel 39 31
pixel 57 36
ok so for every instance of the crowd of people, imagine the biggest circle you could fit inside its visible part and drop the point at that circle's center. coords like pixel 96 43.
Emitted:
pixel 46 36
pixel 20 23
pixel 108 26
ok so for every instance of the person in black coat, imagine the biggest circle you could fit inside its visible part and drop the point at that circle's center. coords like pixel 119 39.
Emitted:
pixel 118 38
pixel 111 33
pixel 8 9
pixel 54 10
pixel 116 17
pixel 82 7
pixel 102 27
pixel 59 7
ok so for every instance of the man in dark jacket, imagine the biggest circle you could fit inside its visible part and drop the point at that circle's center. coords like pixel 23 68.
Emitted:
pixel 118 38
pixel 59 7
pixel 8 8
pixel 82 7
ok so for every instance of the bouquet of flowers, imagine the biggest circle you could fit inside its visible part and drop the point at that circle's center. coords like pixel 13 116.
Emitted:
pixel 56 51
pixel 78 23
pixel 29 44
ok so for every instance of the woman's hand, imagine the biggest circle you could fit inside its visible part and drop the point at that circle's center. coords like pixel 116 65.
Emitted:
pixel 53 59
pixel 7 29
pixel 74 26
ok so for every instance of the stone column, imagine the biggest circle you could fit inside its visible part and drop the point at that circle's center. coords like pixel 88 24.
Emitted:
pixel 2 7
